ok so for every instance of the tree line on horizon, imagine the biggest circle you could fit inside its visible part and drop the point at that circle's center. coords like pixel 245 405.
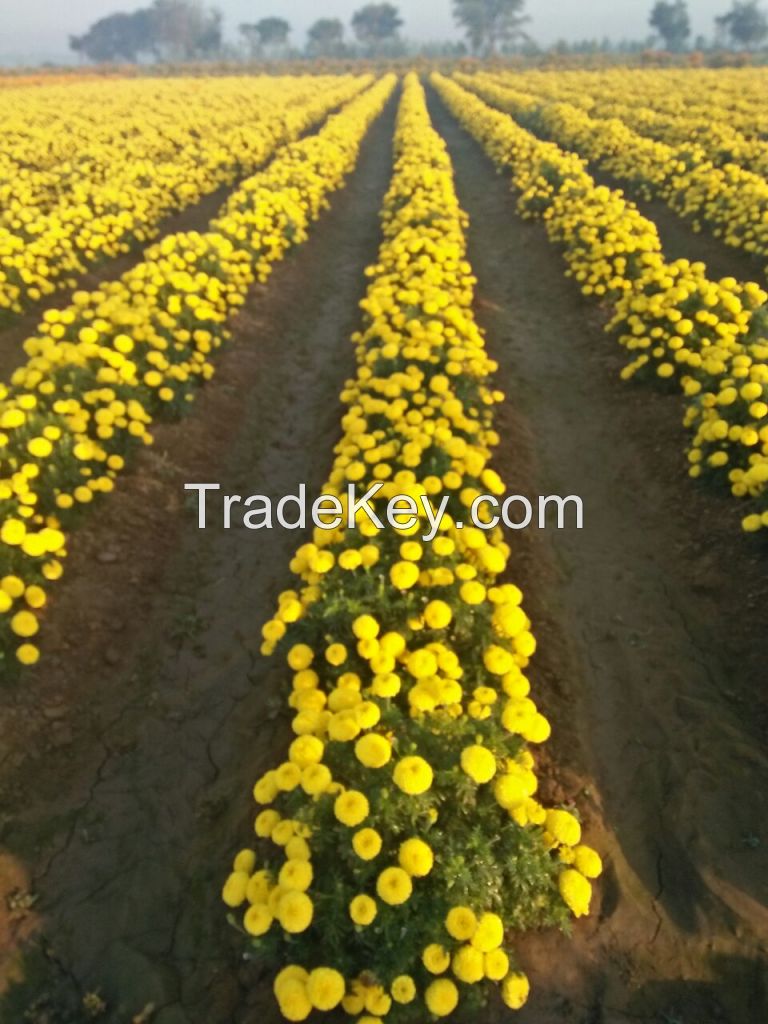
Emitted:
pixel 180 30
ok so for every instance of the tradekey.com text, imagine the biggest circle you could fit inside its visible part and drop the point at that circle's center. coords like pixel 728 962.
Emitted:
pixel 401 512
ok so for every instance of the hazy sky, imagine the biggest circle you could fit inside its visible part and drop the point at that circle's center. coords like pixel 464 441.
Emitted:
pixel 41 27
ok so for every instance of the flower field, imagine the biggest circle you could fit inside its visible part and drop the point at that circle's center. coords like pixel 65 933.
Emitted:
pixel 711 336
pixel 722 196
pixel 75 197
pixel 452 767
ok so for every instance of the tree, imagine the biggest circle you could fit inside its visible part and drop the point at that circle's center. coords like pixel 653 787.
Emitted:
pixel 672 23
pixel 185 29
pixel 326 37
pixel 270 36
pixel 118 37
pixel 376 24
pixel 168 30
pixel 490 24
pixel 746 24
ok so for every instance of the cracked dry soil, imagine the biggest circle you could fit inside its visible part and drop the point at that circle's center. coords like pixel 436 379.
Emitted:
pixel 129 756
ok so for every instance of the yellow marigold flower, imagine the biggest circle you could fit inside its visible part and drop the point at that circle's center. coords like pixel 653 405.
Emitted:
pixel 416 857
pixel 40 447
pixel 35 596
pixel 293 1000
pixel 377 1001
pixel 496 964
pixel 436 958
pixel 472 592
pixel 351 808
pixel 467 965
pixel 325 988
pixel 373 750
pixel 297 848
pixel 350 559
pixel 392 643
pixel 306 750
pixel 403 989
pixel 300 656
pixel 394 886
pixel 266 822
pixel 336 654
pixel 362 910
pixel 489 934
pixel 295 874
pixel 422 664
pixel 366 843
pixel 413 775
pixel 461 923
pixel 411 551
pixel 283 832
pixel 497 660
pixel 576 891
pixel 587 861
pixel 258 887
pixel 245 861
pixel 258 919
pixel 438 614
pixel 24 624
pixel 12 585
pixel 13 532
pixel 353 1003
pixel 315 779
pixel 293 972
pixel 441 997
pixel 233 893
pixel 404 575
pixel 295 911
pixel 365 627
pixel 28 654
pixel 478 763
pixel 563 827
pixel 514 990
pixel 387 685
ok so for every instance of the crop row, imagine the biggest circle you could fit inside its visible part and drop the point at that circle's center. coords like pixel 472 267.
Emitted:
pixel 401 848
pixel 729 200
pixel 113 190
pixel 670 110
pixel 709 336
pixel 139 348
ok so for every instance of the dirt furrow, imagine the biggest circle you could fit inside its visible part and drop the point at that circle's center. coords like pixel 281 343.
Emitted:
pixel 152 667
pixel 650 657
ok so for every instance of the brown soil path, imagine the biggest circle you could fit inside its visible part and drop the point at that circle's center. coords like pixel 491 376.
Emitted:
pixel 133 749
pixel 651 654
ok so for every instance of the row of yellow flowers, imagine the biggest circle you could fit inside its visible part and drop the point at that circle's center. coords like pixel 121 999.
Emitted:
pixel 400 846
pixel 730 201
pixel 729 123
pixel 136 349
pixel 87 182
pixel 710 336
